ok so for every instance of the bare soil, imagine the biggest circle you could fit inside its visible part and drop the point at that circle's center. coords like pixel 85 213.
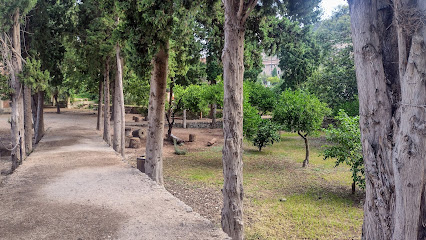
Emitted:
pixel 74 186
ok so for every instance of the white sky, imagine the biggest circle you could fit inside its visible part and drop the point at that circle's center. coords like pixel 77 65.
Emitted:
pixel 330 5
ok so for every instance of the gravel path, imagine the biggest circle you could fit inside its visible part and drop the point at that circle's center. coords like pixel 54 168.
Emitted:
pixel 73 186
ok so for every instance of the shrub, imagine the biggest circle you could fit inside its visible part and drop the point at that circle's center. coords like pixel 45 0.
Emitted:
pixel 267 133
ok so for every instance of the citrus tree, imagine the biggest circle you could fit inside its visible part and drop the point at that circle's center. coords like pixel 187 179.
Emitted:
pixel 301 112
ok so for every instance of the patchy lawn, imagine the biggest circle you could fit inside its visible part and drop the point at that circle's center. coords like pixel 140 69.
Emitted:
pixel 282 200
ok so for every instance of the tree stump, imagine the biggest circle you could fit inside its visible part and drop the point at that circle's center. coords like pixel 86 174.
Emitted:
pixel 212 142
pixel 192 137
pixel 135 142
pixel 139 133
pixel 137 119
pixel 146 118
pixel 134 118
pixel 128 131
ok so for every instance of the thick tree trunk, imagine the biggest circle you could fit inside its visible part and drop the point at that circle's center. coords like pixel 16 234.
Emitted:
pixel 28 123
pixel 236 13
pixel 390 60
pixel 107 134
pixel 154 145
pixel 17 118
pixel 98 122
pixel 119 114
pixel 39 123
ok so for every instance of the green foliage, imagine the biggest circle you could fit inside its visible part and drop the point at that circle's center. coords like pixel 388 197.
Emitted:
pixel 346 146
pixel 274 72
pixel 213 93
pixel 8 8
pixel 191 98
pixel 262 98
pixel 335 82
pixel 267 133
pixel 296 48
pixel 5 89
pixel 298 111
pixel 251 117
pixel 34 77
pixel 136 91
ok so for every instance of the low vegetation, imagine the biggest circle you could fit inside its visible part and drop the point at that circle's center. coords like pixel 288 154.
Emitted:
pixel 282 199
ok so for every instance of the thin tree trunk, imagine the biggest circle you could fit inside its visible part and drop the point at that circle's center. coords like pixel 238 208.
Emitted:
pixel 236 12
pixel 98 123
pixel 34 108
pixel 58 109
pixel 170 111
pixel 184 118
pixel 390 60
pixel 107 134
pixel 305 138
pixel 39 124
pixel 17 119
pixel 112 89
pixel 119 120
pixel 154 145
pixel 28 123
pixel 213 113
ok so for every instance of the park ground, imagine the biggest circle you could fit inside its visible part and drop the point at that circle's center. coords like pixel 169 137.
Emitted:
pixel 282 199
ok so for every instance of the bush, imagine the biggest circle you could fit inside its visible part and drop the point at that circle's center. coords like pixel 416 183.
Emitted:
pixel 267 134
pixel 346 148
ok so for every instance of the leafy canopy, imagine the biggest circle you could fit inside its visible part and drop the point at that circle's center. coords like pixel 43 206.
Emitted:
pixel 299 111
pixel 346 146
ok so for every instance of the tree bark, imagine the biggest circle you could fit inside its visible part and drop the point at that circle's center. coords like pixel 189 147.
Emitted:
pixel 236 12
pixel 28 123
pixel 98 122
pixel 39 124
pixel 213 112
pixel 119 114
pixel 107 134
pixel 390 60
pixel 154 145
pixel 17 118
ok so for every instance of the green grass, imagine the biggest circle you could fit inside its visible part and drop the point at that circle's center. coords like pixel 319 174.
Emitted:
pixel 318 205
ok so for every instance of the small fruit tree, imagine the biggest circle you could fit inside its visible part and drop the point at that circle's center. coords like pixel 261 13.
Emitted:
pixel 301 112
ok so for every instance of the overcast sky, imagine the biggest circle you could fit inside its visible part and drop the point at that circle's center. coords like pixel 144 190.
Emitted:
pixel 330 5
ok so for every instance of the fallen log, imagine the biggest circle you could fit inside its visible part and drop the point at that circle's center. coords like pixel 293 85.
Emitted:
pixel 212 142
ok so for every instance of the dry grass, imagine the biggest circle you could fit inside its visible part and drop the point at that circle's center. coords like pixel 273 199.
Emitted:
pixel 318 203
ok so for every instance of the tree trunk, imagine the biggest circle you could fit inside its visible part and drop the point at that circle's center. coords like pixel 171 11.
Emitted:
pixel 119 114
pixel 98 123
pixel 112 89
pixel 34 108
pixel 154 145
pixel 184 118
pixel 17 118
pixel 170 112
pixel 39 124
pixel 58 109
pixel 213 112
pixel 390 60
pixel 305 138
pixel 107 134
pixel 353 187
pixel 236 12
pixel 28 123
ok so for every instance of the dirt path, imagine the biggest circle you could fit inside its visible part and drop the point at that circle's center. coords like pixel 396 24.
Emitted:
pixel 73 186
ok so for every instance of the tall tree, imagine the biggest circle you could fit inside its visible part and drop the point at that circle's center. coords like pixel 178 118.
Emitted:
pixel 236 14
pixel 390 59
pixel 11 14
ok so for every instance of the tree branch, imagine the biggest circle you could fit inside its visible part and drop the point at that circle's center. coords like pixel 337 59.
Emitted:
pixel 250 8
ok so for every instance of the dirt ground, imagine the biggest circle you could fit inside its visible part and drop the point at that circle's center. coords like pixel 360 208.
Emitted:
pixel 74 186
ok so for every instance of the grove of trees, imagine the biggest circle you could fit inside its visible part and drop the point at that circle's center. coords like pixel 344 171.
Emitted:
pixel 367 59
